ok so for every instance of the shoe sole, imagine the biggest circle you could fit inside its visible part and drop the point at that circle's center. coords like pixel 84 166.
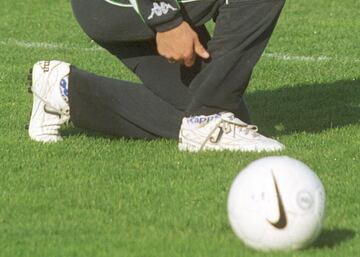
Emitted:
pixel 36 107
pixel 29 85
pixel 188 146
pixel 36 101
pixel 29 80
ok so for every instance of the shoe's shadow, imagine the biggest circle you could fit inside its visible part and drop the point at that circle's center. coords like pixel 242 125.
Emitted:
pixel 70 130
pixel 309 108
pixel 333 237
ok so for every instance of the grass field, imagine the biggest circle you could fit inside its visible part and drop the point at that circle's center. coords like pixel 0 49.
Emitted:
pixel 99 196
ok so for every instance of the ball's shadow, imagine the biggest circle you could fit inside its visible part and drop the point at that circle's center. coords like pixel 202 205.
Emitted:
pixel 329 238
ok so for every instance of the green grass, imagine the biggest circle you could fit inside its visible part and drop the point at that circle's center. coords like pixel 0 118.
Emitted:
pixel 99 196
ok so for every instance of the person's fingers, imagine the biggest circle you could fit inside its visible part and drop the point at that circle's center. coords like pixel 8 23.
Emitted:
pixel 189 62
pixel 171 60
pixel 189 57
pixel 200 50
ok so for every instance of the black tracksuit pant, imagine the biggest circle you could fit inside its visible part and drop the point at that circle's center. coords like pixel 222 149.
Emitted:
pixel 168 92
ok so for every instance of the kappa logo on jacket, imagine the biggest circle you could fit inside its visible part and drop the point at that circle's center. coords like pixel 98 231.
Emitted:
pixel 160 9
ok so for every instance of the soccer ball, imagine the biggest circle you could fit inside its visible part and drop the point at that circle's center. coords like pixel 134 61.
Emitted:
pixel 276 203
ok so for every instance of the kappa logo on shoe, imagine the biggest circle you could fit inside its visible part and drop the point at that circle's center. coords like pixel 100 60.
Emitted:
pixel 160 9
pixel 45 66
pixel 203 119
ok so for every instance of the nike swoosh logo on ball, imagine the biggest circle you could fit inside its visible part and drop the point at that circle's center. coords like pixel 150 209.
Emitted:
pixel 282 221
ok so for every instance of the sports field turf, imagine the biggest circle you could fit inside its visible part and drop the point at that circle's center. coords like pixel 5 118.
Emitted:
pixel 99 196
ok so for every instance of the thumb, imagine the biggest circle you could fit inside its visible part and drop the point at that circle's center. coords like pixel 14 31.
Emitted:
pixel 200 50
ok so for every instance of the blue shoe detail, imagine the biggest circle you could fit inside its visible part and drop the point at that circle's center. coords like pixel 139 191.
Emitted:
pixel 64 88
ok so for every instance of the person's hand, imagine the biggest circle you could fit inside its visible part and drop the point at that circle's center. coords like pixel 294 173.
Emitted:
pixel 180 44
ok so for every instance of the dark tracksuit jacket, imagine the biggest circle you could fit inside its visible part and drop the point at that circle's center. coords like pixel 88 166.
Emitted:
pixel 161 15
pixel 136 20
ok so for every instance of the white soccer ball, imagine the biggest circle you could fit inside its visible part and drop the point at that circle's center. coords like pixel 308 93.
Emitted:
pixel 276 203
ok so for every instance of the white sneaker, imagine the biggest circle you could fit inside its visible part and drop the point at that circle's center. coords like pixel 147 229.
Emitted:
pixel 223 131
pixel 50 109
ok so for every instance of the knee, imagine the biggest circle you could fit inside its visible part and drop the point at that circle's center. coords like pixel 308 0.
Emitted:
pixel 276 5
pixel 280 3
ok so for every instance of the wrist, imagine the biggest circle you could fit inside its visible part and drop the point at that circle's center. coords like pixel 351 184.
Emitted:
pixel 169 25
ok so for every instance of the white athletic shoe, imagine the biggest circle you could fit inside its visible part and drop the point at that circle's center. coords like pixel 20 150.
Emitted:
pixel 50 110
pixel 223 131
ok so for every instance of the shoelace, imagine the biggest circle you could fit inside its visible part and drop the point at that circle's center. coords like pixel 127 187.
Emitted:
pixel 62 112
pixel 52 129
pixel 226 126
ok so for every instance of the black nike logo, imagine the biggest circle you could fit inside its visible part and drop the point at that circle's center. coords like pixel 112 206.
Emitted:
pixel 282 221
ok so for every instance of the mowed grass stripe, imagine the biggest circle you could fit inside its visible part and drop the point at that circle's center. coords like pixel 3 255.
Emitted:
pixel 11 42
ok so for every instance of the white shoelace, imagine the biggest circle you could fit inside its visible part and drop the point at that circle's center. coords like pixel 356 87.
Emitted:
pixel 228 126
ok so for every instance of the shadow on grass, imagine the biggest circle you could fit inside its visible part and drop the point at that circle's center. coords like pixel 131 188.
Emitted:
pixel 306 108
pixel 301 108
pixel 333 237
pixel 70 130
